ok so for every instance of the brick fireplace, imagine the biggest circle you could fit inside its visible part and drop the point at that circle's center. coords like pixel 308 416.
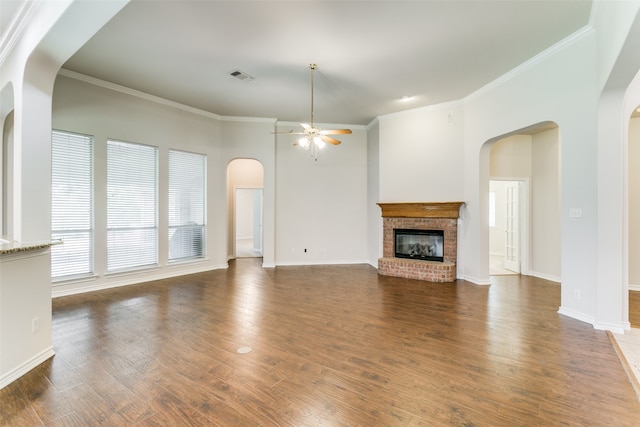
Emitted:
pixel 420 216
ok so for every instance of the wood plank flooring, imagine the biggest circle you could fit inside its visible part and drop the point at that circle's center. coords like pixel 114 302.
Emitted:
pixel 634 309
pixel 332 346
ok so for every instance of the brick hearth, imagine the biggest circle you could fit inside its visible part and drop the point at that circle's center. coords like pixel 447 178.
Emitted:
pixel 420 216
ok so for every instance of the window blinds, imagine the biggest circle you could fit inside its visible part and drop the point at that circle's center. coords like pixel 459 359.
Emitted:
pixel 132 205
pixel 187 201
pixel 71 204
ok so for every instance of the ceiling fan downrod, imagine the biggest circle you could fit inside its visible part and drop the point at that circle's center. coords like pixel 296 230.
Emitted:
pixel 312 67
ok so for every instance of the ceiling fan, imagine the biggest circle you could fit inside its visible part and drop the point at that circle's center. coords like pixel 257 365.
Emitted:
pixel 315 138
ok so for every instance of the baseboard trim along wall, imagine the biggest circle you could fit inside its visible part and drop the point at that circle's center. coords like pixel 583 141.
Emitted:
pixel 22 369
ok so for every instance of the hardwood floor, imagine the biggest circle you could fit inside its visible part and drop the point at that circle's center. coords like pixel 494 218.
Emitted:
pixel 332 346
pixel 634 309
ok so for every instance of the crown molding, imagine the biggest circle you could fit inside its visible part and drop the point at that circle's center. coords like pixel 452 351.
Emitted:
pixel 426 108
pixel 248 119
pixel 531 62
pixel 16 27
pixel 322 125
pixel 159 100
pixel 138 94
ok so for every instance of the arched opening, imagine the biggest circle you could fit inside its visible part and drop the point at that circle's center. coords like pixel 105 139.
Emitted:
pixel 6 163
pixel 245 184
pixel 524 203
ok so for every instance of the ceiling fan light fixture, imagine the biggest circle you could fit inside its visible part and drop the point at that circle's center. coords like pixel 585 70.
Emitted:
pixel 304 142
pixel 315 138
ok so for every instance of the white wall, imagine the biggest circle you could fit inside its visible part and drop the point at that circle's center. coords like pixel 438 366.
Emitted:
pixel 634 204
pixel 545 210
pixel 322 205
pixel 497 240
pixel 244 213
pixel 24 298
pixel 374 214
pixel 557 86
pixel 243 138
pixel 421 155
pixel 511 158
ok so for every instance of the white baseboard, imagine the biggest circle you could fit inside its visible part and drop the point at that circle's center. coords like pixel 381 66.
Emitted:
pixel 320 262
pixel 62 289
pixel 544 276
pixel 618 329
pixel 576 315
pixel 634 287
pixel 19 371
pixel 476 280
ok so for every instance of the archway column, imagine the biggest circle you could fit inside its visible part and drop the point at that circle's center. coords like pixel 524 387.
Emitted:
pixel 611 308
pixel 30 68
pixel 620 95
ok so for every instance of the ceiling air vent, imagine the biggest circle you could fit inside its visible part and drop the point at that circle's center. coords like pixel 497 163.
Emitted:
pixel 240 75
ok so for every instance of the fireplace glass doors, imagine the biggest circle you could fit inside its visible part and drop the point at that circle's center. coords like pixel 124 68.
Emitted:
pixel 425 245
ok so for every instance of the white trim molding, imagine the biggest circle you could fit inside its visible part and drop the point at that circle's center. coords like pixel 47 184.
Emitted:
pixel 25 367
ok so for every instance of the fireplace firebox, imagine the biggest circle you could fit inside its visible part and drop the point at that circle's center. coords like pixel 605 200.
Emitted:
pixel 425 245
pixel 420 216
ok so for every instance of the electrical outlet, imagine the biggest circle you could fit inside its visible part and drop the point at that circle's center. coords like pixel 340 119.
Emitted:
pixel 575 213
pixel 35 324
pixel 576 294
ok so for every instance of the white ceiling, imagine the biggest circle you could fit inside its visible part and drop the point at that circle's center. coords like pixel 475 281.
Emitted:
pixel 369 53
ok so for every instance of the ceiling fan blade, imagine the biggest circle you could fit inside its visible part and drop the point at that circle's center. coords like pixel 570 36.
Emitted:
pixel 329 140
pixel 306 126
pixel 336 132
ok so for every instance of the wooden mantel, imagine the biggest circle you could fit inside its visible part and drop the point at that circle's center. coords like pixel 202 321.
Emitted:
pixel 421 210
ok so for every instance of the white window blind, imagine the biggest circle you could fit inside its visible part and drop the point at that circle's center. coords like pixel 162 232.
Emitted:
pixel 71 204
pixel 132 205
pixel 187 201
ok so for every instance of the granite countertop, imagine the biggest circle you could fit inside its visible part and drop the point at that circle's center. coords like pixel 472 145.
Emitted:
pixel 13 247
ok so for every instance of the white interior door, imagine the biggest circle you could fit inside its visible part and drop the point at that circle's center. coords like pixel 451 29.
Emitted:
pixel 512 230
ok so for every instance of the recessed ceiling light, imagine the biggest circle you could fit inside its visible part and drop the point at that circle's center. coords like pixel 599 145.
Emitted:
pixel 406 98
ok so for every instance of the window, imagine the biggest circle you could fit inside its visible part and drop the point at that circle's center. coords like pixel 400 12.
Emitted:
pixel 132 205
pixel 71 204
pixel 187 175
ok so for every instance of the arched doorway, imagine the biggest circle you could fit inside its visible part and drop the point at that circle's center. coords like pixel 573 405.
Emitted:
pixel 525 211
pixel 245 184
